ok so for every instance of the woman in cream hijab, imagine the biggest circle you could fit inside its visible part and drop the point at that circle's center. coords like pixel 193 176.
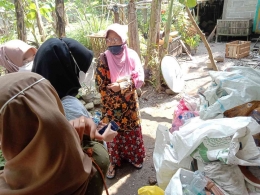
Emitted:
pixel 17 56
pixel 41 148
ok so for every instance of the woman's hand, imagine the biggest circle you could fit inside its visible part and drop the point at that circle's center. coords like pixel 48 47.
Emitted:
pixel 101 125
pixel 109 134
pixel 114 87
pixel 85 126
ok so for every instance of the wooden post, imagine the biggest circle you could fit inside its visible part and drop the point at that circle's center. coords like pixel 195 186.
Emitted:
pixel 60 26
pixel 133 34
pixel 21 29
pixel 116 13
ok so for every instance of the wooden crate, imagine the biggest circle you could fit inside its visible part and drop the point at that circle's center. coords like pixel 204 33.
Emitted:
pixel 175 47
pixel 237 49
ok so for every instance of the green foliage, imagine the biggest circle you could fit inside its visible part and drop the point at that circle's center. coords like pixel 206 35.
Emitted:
pixel 143 47
pixel 8 27
pixel 79 34
pixel 85 20
pixel 7 37
pixel 193 41
pixel 45 9
pixel 183 25
pixel 189 3
pixel 154 65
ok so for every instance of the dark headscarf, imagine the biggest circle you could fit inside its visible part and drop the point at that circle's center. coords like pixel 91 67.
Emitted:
pixel 54 62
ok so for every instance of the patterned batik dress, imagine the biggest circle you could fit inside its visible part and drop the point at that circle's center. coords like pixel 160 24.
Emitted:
pixel 128 144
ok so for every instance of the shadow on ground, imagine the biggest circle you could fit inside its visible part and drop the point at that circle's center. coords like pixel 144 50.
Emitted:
pixel 129 179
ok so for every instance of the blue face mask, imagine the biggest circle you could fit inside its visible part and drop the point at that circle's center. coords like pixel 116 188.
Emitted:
pixel 116 50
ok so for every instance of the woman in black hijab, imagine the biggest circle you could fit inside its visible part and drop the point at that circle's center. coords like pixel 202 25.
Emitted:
pixel 60 61
pixel 64 63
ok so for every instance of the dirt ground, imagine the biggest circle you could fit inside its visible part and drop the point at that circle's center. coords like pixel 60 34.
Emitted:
pixel 157 108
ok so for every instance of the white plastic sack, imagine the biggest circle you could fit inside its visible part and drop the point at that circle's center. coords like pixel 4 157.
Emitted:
pixel 230 88
pixel 229 177
pixel 181 177
pixel 236 145
pixel 164 157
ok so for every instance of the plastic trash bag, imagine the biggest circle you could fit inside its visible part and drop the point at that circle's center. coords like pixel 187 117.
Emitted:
pixel 186 109
pixel 230 88
pixel 150 190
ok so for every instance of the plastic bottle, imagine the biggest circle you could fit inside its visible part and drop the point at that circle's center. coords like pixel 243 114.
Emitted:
pixel 198 183
pixel 97 117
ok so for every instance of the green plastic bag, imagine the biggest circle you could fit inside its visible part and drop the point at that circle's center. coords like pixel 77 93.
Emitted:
pixel 150 190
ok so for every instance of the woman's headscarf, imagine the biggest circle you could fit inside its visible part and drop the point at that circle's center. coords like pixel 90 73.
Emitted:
pixel 55 62
pixel 42 150
pixel 13 53
pixel 127 63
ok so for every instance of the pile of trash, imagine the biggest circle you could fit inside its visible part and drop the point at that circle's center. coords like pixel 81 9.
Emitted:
pixel 213 144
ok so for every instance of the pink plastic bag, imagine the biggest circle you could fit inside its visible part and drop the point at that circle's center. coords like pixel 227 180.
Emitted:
pixel 186 109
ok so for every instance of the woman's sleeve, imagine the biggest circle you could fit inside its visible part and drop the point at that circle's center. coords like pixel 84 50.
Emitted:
pixel 102 75
pixel 138 71
pixel 137 75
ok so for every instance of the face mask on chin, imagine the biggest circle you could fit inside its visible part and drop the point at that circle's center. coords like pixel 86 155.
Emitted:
pixel 82 77
pixel 27 67
pixel 116 49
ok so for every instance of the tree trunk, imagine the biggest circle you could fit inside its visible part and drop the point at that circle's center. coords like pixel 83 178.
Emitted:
pixel 122 14
pixel 39 21
pixel 154 30
pixel 21 28
pixel 60 25
pixel 134 42
pixel 203 38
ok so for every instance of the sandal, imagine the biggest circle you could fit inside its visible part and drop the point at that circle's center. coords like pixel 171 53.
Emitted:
pixel 111 172
pixel 138 166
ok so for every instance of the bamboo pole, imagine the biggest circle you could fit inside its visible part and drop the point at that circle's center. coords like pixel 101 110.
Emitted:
pixel 203 38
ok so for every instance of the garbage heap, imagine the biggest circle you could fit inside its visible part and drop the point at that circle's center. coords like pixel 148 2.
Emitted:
pixel 216 134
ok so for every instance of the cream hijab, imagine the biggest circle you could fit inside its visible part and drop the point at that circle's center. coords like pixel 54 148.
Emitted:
pixel 15 56
pixel 42 150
